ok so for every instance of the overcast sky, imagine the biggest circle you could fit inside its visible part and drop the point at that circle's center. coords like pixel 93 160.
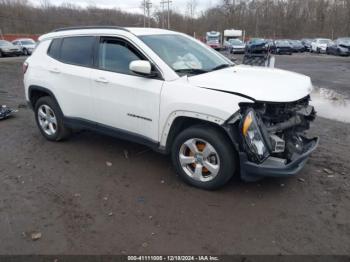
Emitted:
pixel 132 5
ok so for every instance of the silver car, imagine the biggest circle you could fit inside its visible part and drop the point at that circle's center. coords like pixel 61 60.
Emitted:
pixel 237 46
pixel 27 45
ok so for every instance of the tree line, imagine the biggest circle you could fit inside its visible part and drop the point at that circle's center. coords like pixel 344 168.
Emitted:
pixel 259 18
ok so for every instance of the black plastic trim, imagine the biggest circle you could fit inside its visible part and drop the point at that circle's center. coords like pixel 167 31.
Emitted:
pixel 79 123
pixel 252 172
pixel 41 89
pixel 90 27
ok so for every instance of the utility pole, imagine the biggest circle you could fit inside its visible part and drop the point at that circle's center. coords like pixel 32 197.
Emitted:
pixel 144 13
pixel 162 4
pixel 2 37
pixel 168 2
pixel 148 8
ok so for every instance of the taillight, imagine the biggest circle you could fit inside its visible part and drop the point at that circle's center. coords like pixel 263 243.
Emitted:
pixel 25 67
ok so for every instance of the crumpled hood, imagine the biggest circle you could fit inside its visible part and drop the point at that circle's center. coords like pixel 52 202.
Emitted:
pixel 259 83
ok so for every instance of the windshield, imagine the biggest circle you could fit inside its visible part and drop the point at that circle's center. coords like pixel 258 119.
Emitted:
pixel 184 55
pixel 324 41
pixel 235 42
pixel 282 42
pixel 5 43
pixel 28 42
pixel 258 41
pixel 344 41
pixel 213 38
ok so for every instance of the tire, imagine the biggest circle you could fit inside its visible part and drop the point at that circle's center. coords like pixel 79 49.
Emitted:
pixel 25 52
pixel 50 119
pixel 212 147
pixel 1 55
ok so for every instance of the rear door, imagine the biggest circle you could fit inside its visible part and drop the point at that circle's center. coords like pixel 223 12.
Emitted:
pixel 122 99
pixel 70 73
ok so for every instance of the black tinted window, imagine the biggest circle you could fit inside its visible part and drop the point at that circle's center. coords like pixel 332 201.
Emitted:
pixel 116 55
pixel 54 49
pixel 77 50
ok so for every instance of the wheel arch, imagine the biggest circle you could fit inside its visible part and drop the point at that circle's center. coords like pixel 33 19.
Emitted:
pixel 180 121
pixel 35 92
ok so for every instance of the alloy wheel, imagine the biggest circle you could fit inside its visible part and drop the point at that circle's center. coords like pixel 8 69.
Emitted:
pixel 47 120
pixel 199 160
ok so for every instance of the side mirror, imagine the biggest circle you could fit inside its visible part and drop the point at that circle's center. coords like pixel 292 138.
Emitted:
pixel 141 67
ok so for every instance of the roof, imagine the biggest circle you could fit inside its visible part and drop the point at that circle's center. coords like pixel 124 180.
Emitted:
pixel 92 30
pixel 22 39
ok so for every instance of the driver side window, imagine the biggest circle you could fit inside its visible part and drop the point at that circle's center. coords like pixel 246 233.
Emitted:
pixel 116 55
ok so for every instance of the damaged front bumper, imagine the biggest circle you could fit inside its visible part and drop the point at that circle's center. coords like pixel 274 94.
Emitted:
pixel 272 138
pixel 275 167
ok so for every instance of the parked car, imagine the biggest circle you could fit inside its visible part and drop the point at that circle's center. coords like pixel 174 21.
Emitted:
pixel 8 49
pixel 215 44
pixel 297 46
pixel 257 46
pixel 307 43
pixel 319 45
pixel 340 46
pixel 281 47
pixel 27 45
pixel 236 46
pixel 176 95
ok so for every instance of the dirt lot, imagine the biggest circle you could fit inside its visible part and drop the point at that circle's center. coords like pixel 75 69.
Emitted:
pixel 139 206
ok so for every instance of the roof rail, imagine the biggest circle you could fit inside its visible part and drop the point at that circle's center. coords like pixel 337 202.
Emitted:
pixel 90 27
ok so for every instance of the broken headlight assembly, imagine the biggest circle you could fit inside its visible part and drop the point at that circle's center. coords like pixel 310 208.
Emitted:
pixel 253 137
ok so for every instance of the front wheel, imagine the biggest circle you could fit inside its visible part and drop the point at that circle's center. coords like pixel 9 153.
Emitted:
pixel 25 52
pixel 204 157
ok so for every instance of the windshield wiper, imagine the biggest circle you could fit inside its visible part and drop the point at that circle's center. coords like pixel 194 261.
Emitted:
pixel 191 71
pixel 221 67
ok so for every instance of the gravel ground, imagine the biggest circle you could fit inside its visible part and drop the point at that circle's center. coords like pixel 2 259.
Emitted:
pixel 138 205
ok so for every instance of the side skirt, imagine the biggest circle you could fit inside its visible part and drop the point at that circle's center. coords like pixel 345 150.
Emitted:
pixel 78 123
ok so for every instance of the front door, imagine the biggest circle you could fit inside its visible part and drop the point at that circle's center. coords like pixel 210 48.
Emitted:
pixel 122 99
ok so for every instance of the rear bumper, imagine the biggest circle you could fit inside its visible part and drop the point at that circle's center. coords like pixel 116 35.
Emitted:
pixel 272 167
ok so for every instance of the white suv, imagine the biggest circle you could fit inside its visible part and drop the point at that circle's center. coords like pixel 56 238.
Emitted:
pixel 171 92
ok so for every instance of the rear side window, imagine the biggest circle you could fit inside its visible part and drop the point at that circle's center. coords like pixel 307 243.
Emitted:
pixel 54 49
pixel 77 50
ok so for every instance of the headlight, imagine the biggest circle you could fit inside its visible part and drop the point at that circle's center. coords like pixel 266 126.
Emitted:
pixel 253 137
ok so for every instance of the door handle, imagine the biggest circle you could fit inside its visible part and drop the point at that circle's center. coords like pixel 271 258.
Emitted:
pixel 55 70
pixel 102 80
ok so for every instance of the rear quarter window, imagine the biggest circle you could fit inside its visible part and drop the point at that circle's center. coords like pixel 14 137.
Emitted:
pixel 54 49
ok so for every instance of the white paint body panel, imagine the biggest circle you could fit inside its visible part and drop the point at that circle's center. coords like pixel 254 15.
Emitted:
pixel 261 84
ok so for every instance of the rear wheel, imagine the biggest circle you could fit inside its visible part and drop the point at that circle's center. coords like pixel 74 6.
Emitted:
pixel 50 119
pixel 204 157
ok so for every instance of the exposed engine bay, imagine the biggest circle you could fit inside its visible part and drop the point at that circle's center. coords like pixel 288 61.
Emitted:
pixel 276 130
